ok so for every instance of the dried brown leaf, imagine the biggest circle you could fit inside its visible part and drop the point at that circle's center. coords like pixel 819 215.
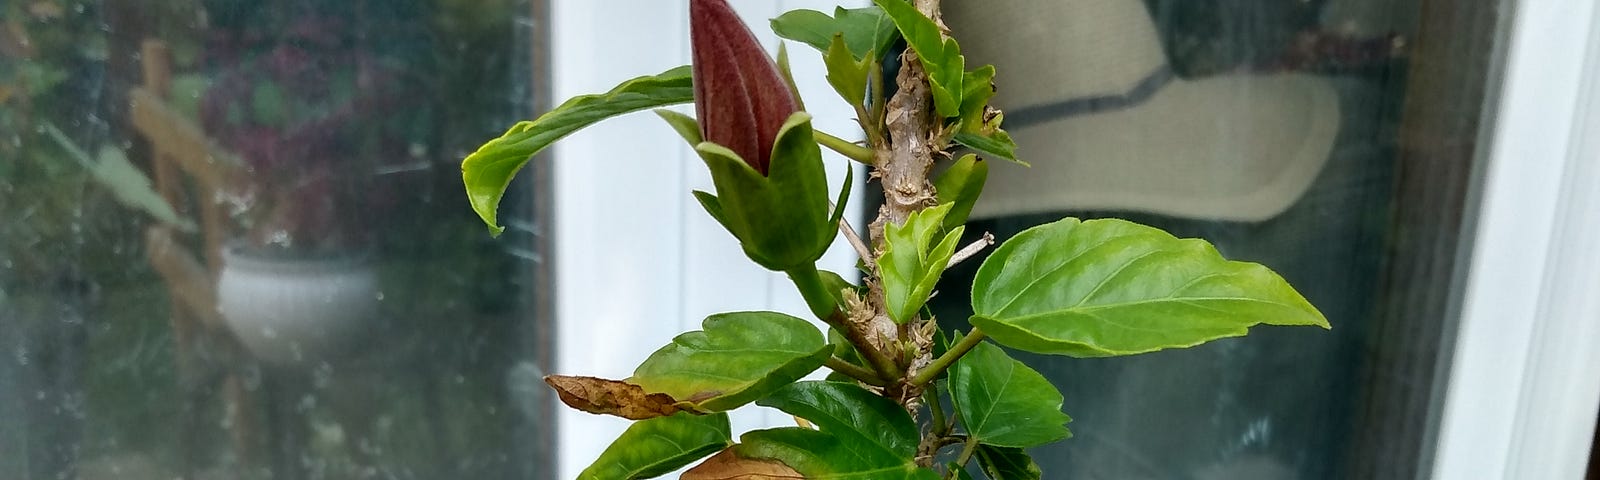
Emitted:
pixel 728 465
pixel 611 397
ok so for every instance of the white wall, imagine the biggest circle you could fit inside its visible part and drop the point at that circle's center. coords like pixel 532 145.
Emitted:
pixel 637 260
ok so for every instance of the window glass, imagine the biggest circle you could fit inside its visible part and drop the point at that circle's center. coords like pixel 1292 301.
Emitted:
pixel 1332 140
pixel 233 242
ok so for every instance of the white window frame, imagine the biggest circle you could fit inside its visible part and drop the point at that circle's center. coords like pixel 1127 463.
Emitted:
pixel 1524 384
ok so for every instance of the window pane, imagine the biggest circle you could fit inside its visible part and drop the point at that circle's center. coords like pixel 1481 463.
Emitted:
pixel 1332 140
pixel 233 242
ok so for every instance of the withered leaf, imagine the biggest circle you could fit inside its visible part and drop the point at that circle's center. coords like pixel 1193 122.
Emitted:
pixel 728 465
pixel 611 397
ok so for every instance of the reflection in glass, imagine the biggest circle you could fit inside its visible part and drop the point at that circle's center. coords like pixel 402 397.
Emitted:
pixel 1269 129
pixel 233 243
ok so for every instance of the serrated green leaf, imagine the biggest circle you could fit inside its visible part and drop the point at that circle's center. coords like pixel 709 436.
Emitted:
pixel 735 359
pixel 1006 463
pixel 651 448
pixel 851 413
pixel 959 186
pixel 1002 402
pixel 846 74
pixel 941 56
pixel 912 263
pixel 865 30
pixel 1110 287
pixel 823 456
pixel 488 171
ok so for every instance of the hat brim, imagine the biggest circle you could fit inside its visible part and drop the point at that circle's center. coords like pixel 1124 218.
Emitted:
pixel 1237 147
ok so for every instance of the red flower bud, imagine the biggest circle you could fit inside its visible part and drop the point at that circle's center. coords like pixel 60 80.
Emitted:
pixel 740 97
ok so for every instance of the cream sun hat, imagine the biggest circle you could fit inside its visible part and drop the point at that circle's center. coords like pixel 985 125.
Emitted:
pixel 1093 105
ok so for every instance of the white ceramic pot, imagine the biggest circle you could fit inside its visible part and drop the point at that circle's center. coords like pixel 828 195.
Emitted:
pixel 291 311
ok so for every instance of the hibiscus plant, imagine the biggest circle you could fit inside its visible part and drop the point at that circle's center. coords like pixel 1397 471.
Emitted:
pixel 903 399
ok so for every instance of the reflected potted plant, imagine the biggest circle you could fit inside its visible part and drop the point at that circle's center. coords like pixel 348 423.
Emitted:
pixel 312 116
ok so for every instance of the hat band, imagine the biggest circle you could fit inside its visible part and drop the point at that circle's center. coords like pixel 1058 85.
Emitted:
pixel 1141 92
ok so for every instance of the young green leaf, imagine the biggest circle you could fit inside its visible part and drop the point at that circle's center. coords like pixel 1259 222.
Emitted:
pixel 822 455
pixel 1006 463
pixel 851 413
pixel 847 75
pixel 738 358
pixel 959 186
pixel 864 30
pixel 977 89
pixel 1002 402
pixel 488 171
pixel 980 125
pixel 651 448
pixel 912 262
pixel 1102 288
pixel 941 56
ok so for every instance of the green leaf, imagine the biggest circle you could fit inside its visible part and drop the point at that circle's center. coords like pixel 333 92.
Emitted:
pixel 1003 402
pixel 856 416
pixel 941 56
pixel 488 171
pixel 1006 463
pixel 959 186
pixel 651 448
pixel 865 30
pixel 912 262
pixel 737 358
pixel 1111 287
pixel 846 74
pixel 822 455
pixel 997 144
